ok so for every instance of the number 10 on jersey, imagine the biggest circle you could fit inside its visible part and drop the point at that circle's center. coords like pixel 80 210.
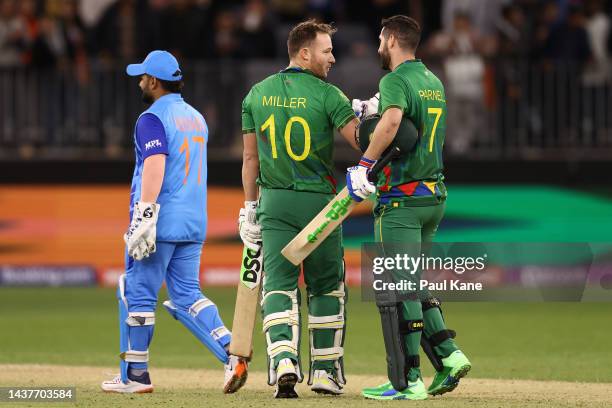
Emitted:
pixel 270 125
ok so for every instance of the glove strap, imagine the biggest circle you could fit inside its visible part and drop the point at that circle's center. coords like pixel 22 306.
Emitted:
pixel 250 211
pixel 365 162
pixel 143 204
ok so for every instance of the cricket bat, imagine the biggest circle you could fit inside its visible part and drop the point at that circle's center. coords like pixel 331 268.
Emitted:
pixel 247 298
pixel 330 217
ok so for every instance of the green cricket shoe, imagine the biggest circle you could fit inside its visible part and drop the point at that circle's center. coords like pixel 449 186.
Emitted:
pixel 415 391
pixel 456 366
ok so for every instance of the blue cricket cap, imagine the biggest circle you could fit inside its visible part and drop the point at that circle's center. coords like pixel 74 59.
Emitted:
pixel 159 64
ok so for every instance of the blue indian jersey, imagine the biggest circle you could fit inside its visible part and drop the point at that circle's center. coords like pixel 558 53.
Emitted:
pixel 172 127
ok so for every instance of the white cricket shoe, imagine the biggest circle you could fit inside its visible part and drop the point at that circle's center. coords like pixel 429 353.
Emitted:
pixel 325 383
pixel 132 387
pixel 236 373
pixel 286 379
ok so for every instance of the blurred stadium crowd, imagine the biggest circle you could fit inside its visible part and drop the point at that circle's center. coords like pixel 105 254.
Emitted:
pixel 522 76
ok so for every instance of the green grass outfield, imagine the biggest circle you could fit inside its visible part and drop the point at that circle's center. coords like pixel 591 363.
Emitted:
pixel 543 341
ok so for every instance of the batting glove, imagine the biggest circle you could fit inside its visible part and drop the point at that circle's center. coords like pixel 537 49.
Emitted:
pixel 357 182
pixel 250 230
pixel 363 109
pixel 140 237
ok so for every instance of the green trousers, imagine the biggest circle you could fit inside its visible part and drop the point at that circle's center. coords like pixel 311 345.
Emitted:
pixel 395 223
pixel 282 215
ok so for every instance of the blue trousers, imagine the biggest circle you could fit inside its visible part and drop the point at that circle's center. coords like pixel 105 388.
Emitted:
pixel 177 263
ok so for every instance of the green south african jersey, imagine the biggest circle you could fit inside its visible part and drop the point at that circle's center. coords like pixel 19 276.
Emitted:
pixel 293 114
pixel 415 90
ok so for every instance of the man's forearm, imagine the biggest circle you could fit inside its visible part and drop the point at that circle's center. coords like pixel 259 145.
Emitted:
pixel 250 166
pixel 348 133
pixel 152 177
pixel 250 169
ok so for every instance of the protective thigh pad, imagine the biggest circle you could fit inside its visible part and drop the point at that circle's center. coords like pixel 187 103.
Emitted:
pixel 202 320
pixel 135 333
pixel 335 322
pixel 291 318
pixel 395 328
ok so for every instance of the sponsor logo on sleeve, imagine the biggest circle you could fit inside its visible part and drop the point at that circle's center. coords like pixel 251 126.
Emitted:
pixel 153 143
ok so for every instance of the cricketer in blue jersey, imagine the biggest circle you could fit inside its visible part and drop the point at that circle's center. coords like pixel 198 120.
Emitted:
pixel 167 229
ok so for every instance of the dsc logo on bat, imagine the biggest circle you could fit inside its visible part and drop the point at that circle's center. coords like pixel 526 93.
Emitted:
pixel 252 265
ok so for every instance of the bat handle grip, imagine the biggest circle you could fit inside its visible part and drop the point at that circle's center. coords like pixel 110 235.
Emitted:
pixel 392 154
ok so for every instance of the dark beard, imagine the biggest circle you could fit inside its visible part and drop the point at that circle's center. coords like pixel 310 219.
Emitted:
pixel 146 98
pixel 385 60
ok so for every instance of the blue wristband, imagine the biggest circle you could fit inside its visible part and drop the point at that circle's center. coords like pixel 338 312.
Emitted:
pixel 365 162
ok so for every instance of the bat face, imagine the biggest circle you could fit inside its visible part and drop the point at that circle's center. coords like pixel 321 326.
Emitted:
pixel 328 219
pixel 339 207
pixel 247 298
pixel 250 270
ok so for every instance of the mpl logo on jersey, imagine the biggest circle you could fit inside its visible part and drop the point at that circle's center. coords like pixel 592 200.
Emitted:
pixel 153 143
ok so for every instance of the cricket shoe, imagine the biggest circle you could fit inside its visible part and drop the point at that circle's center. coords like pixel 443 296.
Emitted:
pixel 456 366
pixel 325 383
pixel 136 385
pixel 286 379
pixel 236 373
pixel 415 391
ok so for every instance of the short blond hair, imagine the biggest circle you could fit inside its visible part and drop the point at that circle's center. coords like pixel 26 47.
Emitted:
pixel 304 33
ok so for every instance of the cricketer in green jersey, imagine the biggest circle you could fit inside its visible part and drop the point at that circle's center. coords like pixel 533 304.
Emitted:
pixel 288 122
pixel 410 205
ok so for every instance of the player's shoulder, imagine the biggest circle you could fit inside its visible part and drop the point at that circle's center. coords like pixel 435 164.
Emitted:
pixel 256 88
pixel 435 79
pixel 268 81
pixel 392 76
pixel 190 108
pixel 145 121
pixel 333 91
pixel 150 117
pixel 430 77
pixel 391 79
pixel 199 116
pixel 320 87
pixel 329 86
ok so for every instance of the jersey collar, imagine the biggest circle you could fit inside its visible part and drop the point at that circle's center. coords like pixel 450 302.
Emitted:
pixel 408 62
pixel 298 70
pixel 170 97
